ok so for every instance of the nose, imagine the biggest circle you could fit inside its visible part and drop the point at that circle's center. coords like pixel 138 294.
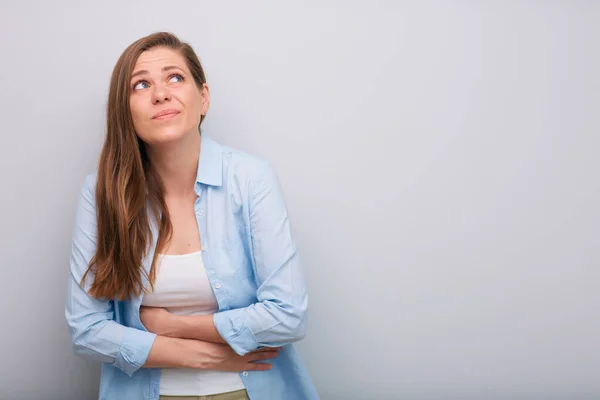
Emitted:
pixel 160 94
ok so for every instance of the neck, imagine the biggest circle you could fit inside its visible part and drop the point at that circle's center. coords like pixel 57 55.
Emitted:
pixel 176 164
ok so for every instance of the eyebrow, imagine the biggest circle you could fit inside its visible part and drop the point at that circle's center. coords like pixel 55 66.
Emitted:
pixel 166 68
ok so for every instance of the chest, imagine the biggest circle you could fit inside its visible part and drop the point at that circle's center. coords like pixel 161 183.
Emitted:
pixel 182 286
pixel 222 228
pixel 216 223
pixel 186 236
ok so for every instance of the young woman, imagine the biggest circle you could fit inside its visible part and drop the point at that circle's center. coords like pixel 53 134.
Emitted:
pixel 184 277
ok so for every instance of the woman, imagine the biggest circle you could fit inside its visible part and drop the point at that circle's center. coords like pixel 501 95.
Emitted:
pixel 184 277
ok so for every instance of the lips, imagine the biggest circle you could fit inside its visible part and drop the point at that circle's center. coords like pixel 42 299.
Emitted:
pixel 165 114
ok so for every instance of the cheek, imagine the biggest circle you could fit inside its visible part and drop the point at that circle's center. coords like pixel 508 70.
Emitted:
pixel 193 99
pixel 193 109
pixel 136 113
pixel 193 118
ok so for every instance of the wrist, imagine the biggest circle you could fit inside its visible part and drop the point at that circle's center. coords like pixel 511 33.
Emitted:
pixel 199 355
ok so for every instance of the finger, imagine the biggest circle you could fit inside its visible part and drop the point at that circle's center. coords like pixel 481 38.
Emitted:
pixel 265 355
pixel 267 349
pixel 259 367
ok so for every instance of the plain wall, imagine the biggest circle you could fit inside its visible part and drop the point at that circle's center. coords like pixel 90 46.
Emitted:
pixel 439 159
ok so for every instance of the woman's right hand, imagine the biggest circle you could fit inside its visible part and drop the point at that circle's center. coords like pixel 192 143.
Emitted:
pixel 221 357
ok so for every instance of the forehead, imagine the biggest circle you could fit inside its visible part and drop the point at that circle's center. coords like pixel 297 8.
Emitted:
pixel 158 57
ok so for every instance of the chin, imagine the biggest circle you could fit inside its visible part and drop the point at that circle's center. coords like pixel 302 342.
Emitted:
pixel 164 137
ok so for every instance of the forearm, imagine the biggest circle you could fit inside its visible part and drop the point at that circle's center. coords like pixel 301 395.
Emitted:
pixel 168 352
pixel 286 322
pixel 198 327
pixel 262 324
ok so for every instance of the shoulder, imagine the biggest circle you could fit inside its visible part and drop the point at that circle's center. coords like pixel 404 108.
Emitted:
pixel 87 189
pixel 244 168
pixel 89 183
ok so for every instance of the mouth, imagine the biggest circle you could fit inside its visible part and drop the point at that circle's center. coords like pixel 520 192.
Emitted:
pixel 166 114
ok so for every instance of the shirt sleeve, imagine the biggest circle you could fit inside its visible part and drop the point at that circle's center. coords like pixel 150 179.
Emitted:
pixel 279 316
pixel 94 332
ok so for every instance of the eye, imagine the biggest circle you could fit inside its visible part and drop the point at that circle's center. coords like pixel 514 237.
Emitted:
pixel 140 85
pixel 175 78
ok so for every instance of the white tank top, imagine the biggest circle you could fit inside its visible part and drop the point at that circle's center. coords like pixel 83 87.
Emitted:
pixel 182 287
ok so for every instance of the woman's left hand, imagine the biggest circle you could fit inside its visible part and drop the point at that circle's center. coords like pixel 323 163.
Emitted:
pixel 158 320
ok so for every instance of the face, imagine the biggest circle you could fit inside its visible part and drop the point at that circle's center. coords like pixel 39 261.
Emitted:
pixel 165 102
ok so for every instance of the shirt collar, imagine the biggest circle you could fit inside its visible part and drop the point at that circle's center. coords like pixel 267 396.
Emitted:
pixel 210 162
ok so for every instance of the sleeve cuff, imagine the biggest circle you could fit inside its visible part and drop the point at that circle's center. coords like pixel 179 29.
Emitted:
pixel 232 327
pixel 134 350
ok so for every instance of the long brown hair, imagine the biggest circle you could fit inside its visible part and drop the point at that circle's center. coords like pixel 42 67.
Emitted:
pixel 127 187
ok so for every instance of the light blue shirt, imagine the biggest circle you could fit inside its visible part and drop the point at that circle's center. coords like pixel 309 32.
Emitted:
pixel 252 264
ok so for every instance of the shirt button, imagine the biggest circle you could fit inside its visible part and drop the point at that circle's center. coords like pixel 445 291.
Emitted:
pixel 245 373
pixel 218 286
pixel 200 212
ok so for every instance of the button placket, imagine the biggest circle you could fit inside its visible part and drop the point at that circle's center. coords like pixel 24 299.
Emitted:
pixel 201 218
pixel 200 214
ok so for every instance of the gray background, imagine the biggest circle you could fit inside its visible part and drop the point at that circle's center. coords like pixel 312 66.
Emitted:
pixel 439 159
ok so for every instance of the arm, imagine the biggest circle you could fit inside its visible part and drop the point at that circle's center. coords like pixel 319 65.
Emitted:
pixel 94 333
pixel 173 353
pixel 279 316
pixel 97 336
pixel 162 322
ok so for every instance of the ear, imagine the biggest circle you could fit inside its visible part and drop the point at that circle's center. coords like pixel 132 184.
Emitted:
pixel 205 96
